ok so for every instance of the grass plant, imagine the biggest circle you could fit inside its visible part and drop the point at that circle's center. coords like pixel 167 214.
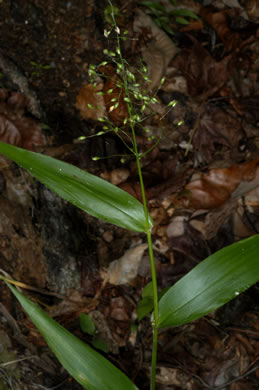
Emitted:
pixel 216 280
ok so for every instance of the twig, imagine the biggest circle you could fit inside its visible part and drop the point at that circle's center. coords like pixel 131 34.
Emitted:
pixel 17 360
pixel 49 388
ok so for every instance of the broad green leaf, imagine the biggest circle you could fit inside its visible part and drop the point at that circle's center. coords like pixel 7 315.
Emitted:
pixel 83 363
pixel 86 191
pixel 87 324
pixel 213 282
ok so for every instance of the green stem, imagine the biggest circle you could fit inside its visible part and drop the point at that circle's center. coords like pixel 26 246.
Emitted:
pixel 144 200
pixel 156 313
pixel 151 259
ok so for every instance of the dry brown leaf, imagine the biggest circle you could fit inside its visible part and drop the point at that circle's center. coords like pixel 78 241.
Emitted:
pixel 133 189
pixel 248 106
pixel 194 25
pixel 219 21
pixel 252 9
pixel 119 309
pixel 125 269
pixel 90 103
pixel 113 90
pixel 158 52
pixel 15 127
pixel 116 176
pixel 211 190
pixel 216 127
pixel 203 74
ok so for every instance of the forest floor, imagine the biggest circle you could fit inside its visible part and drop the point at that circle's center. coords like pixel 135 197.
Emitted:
pixel 201 178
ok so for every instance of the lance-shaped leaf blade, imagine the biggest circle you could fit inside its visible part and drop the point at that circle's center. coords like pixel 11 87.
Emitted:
pixel 84 364
pixel 215 281
pixel 86 191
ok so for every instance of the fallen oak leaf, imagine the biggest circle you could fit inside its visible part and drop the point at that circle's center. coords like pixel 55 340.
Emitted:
pixel 213 189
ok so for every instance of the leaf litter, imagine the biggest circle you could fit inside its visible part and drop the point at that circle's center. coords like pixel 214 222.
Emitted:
pixel 201 178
